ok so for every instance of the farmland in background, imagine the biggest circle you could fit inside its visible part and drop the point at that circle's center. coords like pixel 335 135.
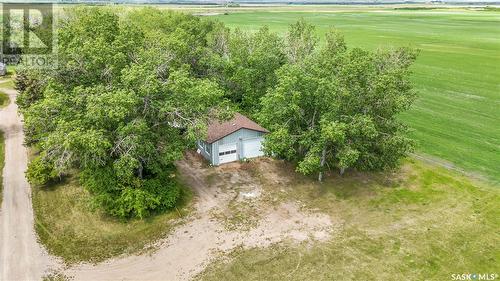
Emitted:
pixel 457 74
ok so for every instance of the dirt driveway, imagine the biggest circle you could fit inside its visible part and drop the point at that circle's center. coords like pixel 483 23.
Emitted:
pixel 21 257
pixel 228 213
pixel 205 235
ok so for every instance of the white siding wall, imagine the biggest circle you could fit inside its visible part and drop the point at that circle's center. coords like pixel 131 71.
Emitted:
pixel 233 138
pixel 205 149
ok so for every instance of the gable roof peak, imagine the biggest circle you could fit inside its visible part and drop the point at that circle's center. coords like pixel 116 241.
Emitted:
pixel 218 130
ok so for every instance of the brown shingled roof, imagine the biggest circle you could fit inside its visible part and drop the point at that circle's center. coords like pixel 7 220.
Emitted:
pixel 217 130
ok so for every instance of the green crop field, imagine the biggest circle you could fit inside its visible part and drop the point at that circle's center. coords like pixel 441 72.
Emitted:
pixel 457 75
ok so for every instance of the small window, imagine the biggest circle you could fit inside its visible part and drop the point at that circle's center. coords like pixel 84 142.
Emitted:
pixel 227 152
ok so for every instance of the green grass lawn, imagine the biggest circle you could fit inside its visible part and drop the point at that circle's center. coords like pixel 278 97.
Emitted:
pixel 457 73
pixel 70 229
pixel 7 81
pixel 420 223
pixel 4 99
pixel 8 84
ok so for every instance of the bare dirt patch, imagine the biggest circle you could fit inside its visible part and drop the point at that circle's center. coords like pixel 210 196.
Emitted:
pixel 387 226
pixel 217 226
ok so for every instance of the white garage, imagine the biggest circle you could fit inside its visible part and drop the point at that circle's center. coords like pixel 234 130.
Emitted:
pixel 233 140
pixel 252 147
pixel 228 153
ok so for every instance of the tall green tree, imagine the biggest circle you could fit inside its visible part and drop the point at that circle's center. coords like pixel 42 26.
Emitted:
pixel 244 64
pixel 124 103
pixel 300 41
pixel 30 82
pixel 339 109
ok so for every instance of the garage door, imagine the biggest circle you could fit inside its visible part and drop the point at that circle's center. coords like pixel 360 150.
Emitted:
pixel 252 148
pixel 227 153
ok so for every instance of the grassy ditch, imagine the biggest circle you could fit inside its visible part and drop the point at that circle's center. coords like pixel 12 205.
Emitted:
pixel 4 99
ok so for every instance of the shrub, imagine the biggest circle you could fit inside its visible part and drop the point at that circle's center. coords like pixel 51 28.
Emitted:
pixel 40 172
pixel 138 200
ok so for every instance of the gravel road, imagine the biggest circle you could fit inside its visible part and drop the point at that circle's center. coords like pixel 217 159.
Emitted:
pixel 21 257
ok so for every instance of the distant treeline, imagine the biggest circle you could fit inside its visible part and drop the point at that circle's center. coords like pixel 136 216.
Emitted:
pixel 418 8
pixel 495 9
pixel 228 2
pixel 487 8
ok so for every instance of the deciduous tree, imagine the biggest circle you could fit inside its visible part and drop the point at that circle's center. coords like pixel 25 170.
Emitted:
pixel 124 103
pixel 339 109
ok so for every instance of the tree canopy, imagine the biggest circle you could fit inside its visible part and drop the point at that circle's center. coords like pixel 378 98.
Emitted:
pixel 124 103
pixel 132 91
pixel 338 107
